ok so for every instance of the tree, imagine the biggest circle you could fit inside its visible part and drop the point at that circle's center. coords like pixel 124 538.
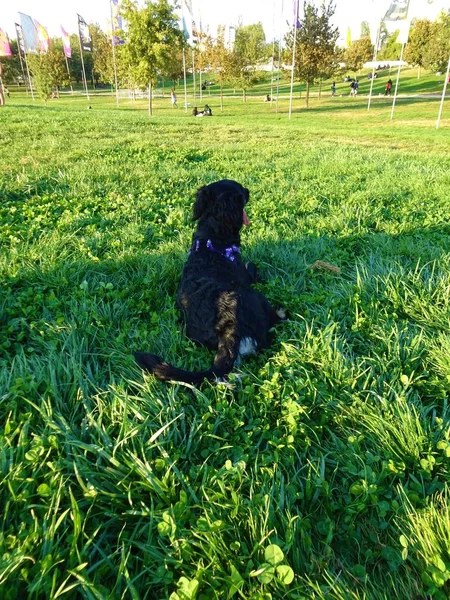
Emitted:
pixel 220 60
pixel 390 48
pixel 150 38
pixel 418 43
pixel 316 52
pixel 248 51
pixel 438 49
pixel 102 58
pixel 358 53
pixel 49 70
pixel 365 29
pixel 12 71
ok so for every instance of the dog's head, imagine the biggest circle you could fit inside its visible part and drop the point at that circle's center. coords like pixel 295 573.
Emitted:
pixel 220 206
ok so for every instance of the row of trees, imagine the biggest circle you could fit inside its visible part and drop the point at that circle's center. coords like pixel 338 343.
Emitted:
pixel 155 45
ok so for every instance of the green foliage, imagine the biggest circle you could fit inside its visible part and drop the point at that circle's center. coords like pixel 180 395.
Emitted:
pixel 151 37
pixel 248 51
pixel 438 49
pixel 316 54
pixel 360 52
pixel 323 471
pixel 42 75
pixel 418 42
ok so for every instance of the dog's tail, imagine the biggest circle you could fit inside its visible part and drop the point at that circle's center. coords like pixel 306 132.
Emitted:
pixel 227 353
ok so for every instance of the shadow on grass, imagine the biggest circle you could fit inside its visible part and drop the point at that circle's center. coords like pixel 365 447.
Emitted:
pixel 97 312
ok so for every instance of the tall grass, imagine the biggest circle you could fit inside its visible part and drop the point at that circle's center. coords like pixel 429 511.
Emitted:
pixel 322 470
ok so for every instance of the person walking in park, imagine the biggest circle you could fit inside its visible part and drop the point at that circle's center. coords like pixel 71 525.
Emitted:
pixel 333 88
pixel 173 98
pixel 355 87
pixel 388 88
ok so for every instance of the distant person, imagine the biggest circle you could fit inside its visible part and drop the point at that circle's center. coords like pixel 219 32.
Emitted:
pixel 207 111
pixel 333 88
pixel 173 98
pixel 196 112
pixel 7 92
pixel 355 87
pixel 388 88
pixel 352 88
pixel 267 98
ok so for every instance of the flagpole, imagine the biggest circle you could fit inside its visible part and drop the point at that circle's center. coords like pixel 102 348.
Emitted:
pixel 443 95
pixel 114 53
pixel 68 73
pixel 29 77
pixel 279 56
pixel 293 57
pixel 375 52
pixel 193 70
pixel 398 77
pixel 273 54
pixel 185 88
pixel 83 71
pixel 23 72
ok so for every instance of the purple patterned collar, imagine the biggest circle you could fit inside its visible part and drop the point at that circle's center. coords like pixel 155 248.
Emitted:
pixel 228 253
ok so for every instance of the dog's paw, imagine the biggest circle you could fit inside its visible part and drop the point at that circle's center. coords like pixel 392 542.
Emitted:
pixel 281 314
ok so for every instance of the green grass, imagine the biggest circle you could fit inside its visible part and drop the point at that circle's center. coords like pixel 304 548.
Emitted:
pixel 323 473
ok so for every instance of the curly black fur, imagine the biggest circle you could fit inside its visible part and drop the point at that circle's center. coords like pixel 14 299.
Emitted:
pixel 222 310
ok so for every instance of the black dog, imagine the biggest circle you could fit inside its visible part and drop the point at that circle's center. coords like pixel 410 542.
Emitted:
pixel 221 308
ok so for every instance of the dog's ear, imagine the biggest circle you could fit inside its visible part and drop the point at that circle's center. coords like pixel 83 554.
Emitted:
pixel 203 198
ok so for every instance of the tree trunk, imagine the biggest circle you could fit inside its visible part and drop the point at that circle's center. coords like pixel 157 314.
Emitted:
pixel 244 96
pixel 150 103
pixel 221 97
pixel 320 89
pixel 307 94
pixel 418 73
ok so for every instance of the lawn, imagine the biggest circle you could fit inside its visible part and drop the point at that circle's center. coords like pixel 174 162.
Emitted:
pixel 322 471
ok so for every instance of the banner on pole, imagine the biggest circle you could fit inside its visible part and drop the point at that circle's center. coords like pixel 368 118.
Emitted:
pixel 66 43
pixel 188 4
pixel 30 34
pixel 85 34
pixel 116 23
pixel 349 37
pixel 296 8
pixel 5 48
pixel 20 40
pixel 397 17
pixel 44 40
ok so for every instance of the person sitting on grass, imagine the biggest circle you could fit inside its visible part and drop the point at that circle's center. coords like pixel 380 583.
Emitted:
pixel 207 111
pixel 197 113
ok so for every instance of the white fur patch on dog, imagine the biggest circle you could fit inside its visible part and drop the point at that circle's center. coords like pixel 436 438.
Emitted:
pixel 247 346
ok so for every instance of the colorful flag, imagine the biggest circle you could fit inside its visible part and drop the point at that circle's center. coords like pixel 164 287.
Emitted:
pixel 20 40
pixel 296 8
pixel 188 4
pixel 30 34
pixel 85 34
pixel 185 30
pixel 116 22
pixel 5 48
pixel 397 16
pixel 44 40
pixel 349 37
pixel 66 43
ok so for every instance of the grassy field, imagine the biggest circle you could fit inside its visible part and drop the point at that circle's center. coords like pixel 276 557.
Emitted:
pixel 323 472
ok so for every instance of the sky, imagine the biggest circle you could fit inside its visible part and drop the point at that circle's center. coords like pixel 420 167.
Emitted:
pixel 349 13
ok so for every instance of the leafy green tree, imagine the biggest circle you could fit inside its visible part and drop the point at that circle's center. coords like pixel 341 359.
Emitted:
pixel 102 58
pixel 220 60
pixel 390 48
pixel 249 50
pixel 11 65
pixel 42 75
pixel 358 53
pixel 316 52
pixel 418 43
pixel 150 38
pixel 365 30
pixel 437 51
